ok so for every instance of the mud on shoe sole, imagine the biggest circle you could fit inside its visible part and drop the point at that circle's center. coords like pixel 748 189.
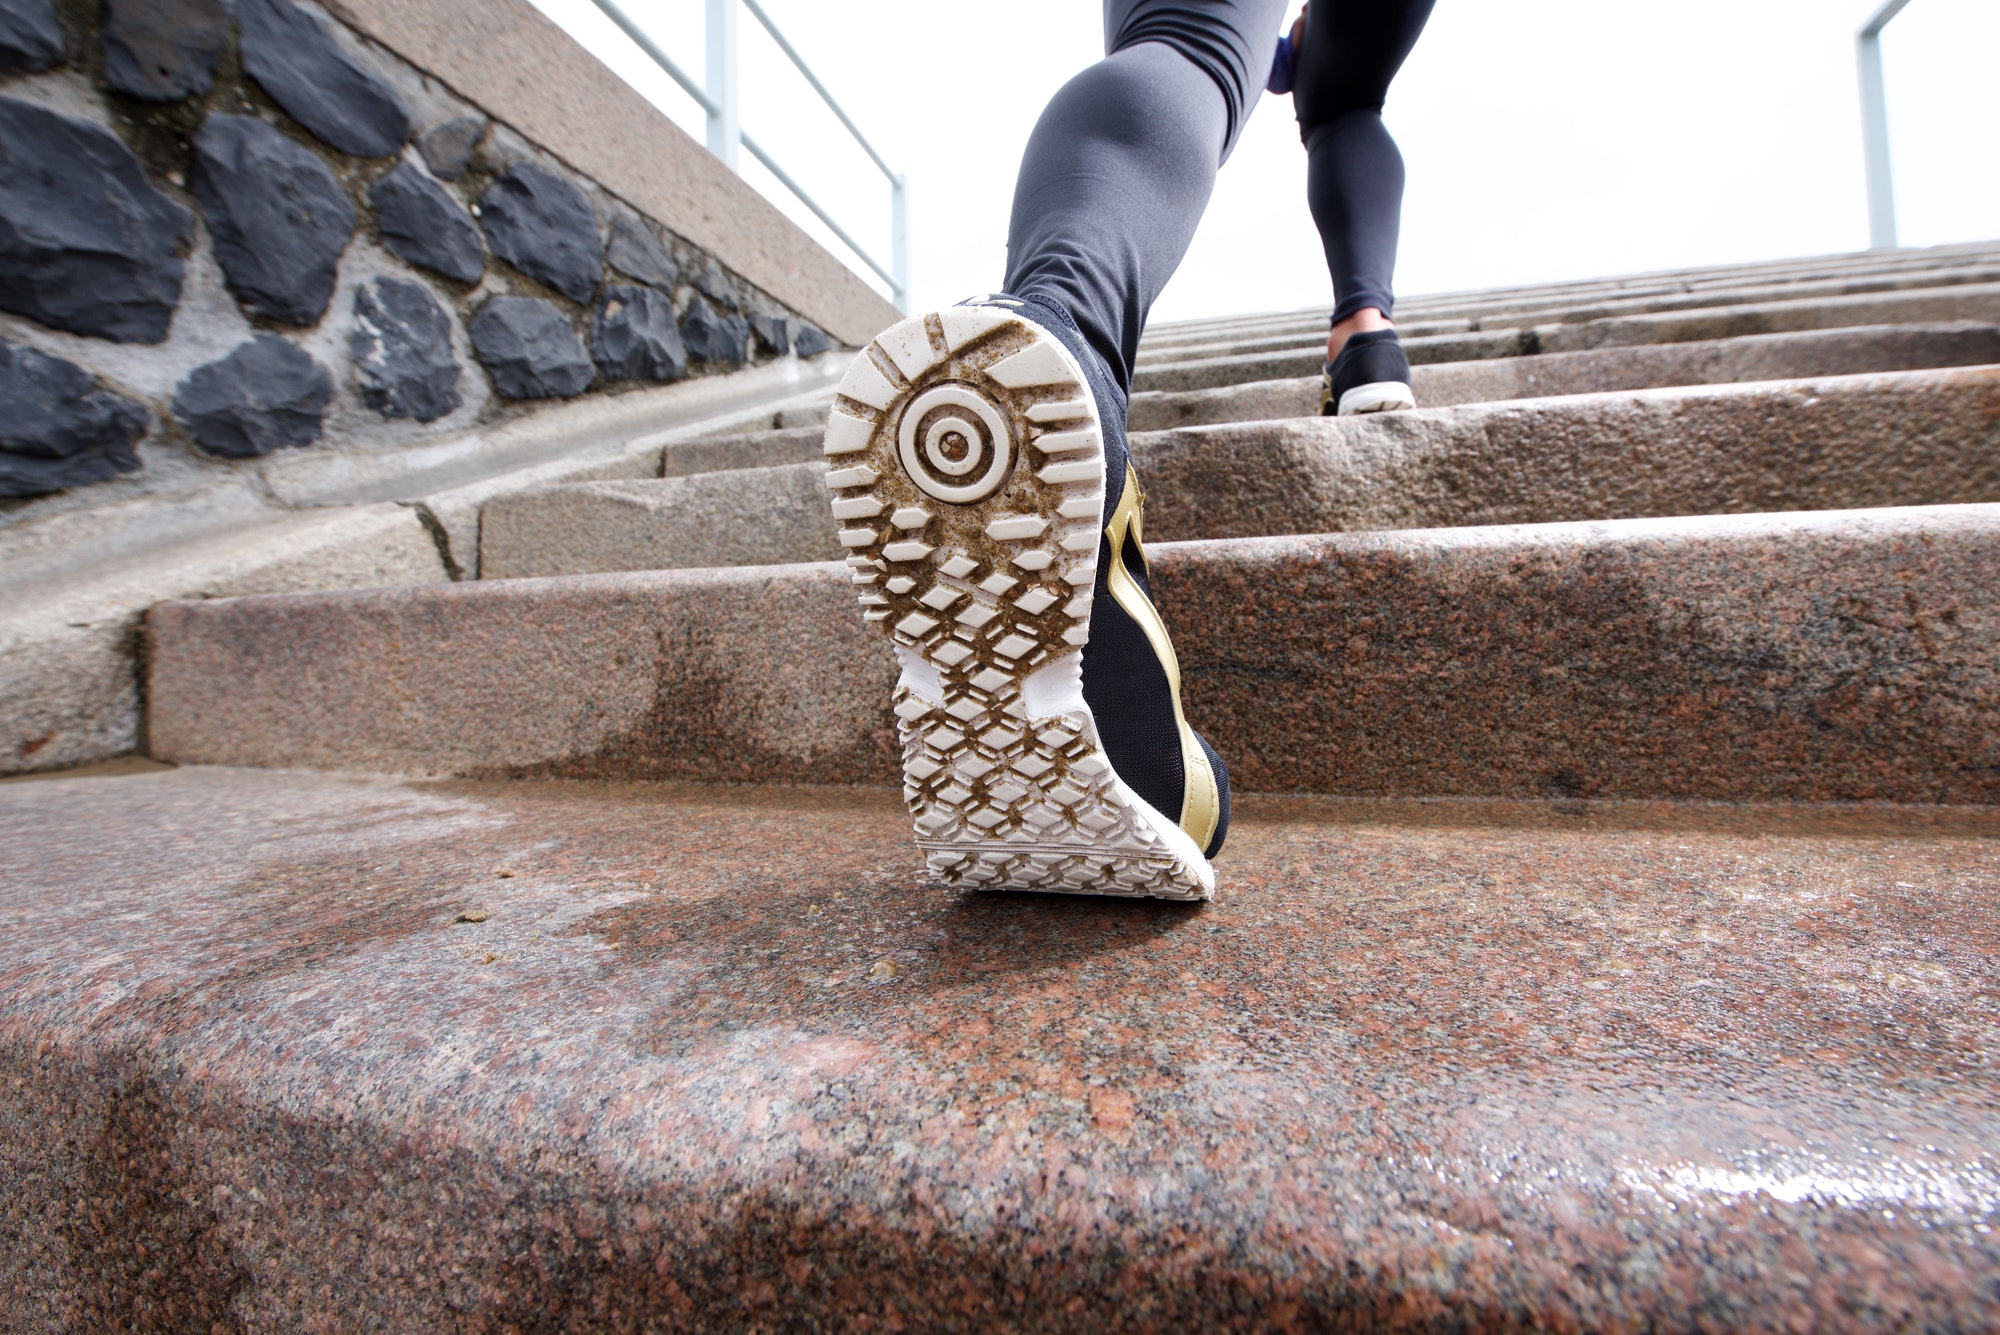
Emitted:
pixel 968 478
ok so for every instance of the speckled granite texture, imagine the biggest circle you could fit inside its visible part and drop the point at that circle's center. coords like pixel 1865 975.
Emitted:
pixel 1846 442
pixel 288 1053
pixel 1836 656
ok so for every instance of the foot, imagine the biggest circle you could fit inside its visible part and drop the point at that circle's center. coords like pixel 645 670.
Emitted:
pixel 1371 375
pixel 986 497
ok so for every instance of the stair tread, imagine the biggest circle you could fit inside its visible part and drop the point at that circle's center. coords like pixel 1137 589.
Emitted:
pixel 713 1056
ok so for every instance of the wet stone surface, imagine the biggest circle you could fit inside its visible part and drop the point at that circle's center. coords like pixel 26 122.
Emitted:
pixel 421 222
pixel 266 395
pixel 447 148
pixel 277 214
pixel 87 244
pixel 633 336
pixel 163 50
pixel 543 226
pixel 401 345
pixel 30 36
pixel 530 350
pixel 550 1056
pixel 637 253
pixel 712 336
pixel 58 428
pixel 322 87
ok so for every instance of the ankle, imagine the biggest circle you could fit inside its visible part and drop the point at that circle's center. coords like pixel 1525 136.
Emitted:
pixel 1364 321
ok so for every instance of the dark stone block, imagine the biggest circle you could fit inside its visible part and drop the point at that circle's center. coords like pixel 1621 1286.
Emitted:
pixel 447 148
pixel 810 342
pixel 713 283
pixel 30 37
pixel 634 337
pixel 57 428
pixel 402 351
pixel 318 83
pixel 267 395
pixel 421 222
pixel 529 349
pixel 635 251
pixel 163 50
pixel 543 226
pixel 279 217
pixel 86 243
pixel 773 335
pixel 711 336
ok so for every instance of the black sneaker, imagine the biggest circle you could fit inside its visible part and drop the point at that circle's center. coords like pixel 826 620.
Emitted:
pixel 993 519
pixel 1371 375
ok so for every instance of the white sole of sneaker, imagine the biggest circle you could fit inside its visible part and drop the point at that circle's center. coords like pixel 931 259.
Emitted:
pixel 968 475
pixel 1383 396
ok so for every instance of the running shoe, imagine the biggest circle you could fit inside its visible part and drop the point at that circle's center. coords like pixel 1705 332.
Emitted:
pixel 993 523
pixel 1371 375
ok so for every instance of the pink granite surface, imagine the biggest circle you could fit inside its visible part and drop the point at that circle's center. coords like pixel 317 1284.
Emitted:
pixel 1834 656
pixel 288 1053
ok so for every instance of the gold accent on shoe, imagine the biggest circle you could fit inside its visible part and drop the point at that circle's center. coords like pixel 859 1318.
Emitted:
pixel 1201 800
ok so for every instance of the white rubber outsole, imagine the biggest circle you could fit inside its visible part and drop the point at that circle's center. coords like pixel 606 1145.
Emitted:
pixel 968 475
pixel 1382 396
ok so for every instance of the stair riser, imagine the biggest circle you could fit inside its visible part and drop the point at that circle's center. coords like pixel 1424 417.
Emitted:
pixel 744 517
pixel 1569 309
pixel 1823 657
pixel 1927 438
pixel 1710 362
pixel 1980 303
pixel 1442 305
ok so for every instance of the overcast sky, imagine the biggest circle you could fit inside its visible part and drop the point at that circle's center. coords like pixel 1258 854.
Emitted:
pixel 1545 139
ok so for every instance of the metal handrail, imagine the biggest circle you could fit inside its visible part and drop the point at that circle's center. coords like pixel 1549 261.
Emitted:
pixel 1875 126
pixel 718 101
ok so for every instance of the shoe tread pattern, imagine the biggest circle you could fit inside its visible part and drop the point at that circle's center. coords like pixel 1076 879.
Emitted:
pixel 988 591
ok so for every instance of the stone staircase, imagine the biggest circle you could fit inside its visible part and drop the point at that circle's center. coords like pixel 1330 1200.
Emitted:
pixel 1607 937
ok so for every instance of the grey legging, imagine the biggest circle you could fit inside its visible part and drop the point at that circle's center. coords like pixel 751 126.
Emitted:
pixel 1123 160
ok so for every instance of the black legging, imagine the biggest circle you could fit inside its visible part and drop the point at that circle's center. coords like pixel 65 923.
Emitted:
pixel 1354 175
pixel 1123 159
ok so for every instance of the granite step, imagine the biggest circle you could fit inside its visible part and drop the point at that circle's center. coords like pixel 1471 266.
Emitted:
pixel 1484 301
pixel 577 1057
pixel 1569 310
pixel 1833 656
pixel 1977 302
pixel 1907 438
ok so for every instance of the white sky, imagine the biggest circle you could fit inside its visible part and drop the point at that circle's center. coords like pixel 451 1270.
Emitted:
pixel 1546 139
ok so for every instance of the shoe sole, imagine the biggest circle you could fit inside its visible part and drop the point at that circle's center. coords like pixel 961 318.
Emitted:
pixel 968 474
pixel 1383 396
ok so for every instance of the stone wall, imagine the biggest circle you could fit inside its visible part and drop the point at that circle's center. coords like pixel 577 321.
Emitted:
pixel 233 229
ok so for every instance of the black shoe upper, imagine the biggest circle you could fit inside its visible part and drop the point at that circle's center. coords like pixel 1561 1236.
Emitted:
pixel 1124 682
pixel 1367 359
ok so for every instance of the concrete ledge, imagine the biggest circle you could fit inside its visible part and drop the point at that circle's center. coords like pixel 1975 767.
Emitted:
pixel 719 1061
pixel 1835 656
pixel 522 69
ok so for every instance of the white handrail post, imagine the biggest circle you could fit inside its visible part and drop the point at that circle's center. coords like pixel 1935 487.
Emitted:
pixel 1875 127
pixel 725 132
pixel 899 255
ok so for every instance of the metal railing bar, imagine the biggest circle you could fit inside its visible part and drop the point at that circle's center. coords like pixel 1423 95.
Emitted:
pixel 1888 11
pixel 757 12
pixel 898 281
pixel 1875 127
pixel 660 58
pixel 771 164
